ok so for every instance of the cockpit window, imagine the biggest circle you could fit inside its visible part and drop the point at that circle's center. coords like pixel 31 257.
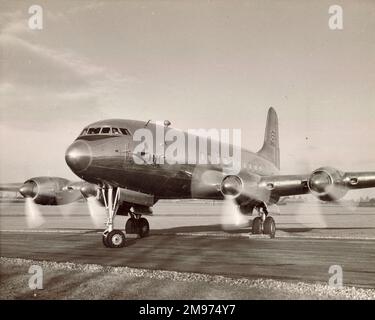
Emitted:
pixel 106 130
pixel 84 132
pixel 115 131
pixel 125 132
pixel 93 131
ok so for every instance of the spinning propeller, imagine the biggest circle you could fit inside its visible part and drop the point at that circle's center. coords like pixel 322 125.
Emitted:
pixel 95 207
pixel 96 210
pixel 56 191
pixel 326 184
pixel 33 215
pixel 234 190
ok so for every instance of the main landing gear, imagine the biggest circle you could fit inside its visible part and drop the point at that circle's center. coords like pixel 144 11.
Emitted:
pixel 114 238
pixel 264 224
pixel 137 225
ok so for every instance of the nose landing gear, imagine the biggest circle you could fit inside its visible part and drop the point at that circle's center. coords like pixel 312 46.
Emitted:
pixel 264 224
pixel 112 238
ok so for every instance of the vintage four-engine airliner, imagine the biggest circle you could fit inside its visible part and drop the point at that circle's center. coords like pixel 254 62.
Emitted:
pixel 128 182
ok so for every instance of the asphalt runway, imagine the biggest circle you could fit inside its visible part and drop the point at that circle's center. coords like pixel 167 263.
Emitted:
pixel 194 242
pixel 284 259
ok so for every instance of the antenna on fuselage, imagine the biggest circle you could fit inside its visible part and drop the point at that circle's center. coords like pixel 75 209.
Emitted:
pixel 147 123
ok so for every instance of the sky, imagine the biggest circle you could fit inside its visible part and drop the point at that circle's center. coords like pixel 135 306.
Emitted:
pixel 199 64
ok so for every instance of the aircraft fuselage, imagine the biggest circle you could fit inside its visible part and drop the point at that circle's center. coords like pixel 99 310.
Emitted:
pixel 110 159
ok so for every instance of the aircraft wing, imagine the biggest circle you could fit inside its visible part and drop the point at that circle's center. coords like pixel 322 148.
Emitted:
pixel 51 190
pixel 15 186
pixel 327 184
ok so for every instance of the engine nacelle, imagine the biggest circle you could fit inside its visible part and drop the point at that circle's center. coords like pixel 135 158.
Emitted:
pixel 45 190
pixel 89 190
pixel 245 189
pixel 327 184
pixel 231 185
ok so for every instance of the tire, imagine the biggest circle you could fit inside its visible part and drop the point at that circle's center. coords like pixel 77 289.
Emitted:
pixel 269 227
pixel 131 226
pixel 257 226
pixel 104 240
pixel 116 239
pixel 144 227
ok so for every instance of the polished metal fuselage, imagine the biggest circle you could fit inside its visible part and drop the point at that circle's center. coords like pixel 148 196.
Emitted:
pixel 112 163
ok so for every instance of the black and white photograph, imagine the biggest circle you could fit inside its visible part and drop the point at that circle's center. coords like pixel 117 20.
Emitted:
pixel 189 150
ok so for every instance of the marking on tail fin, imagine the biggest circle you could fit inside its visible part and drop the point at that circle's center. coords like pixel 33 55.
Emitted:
pixel 273 137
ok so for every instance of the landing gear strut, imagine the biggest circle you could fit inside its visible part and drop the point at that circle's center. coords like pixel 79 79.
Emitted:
pixel 112 238
pixel 264 224
pixel 137 225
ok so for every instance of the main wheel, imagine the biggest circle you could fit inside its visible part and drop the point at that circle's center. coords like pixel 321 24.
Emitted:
pixel 131 226
pixel 116 239
pixel 105 242
pixel 269 227
pixel 257 226
pixel 144 227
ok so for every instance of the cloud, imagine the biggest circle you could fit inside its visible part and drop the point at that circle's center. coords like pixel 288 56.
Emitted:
pixel 44 85
pixel 67 59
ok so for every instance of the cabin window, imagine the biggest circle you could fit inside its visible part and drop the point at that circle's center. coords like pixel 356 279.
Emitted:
pixel 106 130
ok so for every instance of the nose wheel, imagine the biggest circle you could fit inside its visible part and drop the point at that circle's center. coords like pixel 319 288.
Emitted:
pixel 114 239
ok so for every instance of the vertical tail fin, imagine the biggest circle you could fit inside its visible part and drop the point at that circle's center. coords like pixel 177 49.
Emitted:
pixel 270 149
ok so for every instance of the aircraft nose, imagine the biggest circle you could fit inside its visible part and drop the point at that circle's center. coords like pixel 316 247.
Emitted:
pixel 78 156
pixel 29 189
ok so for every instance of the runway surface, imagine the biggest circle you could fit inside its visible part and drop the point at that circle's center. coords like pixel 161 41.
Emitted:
pixel 282 259
pixel 196 244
